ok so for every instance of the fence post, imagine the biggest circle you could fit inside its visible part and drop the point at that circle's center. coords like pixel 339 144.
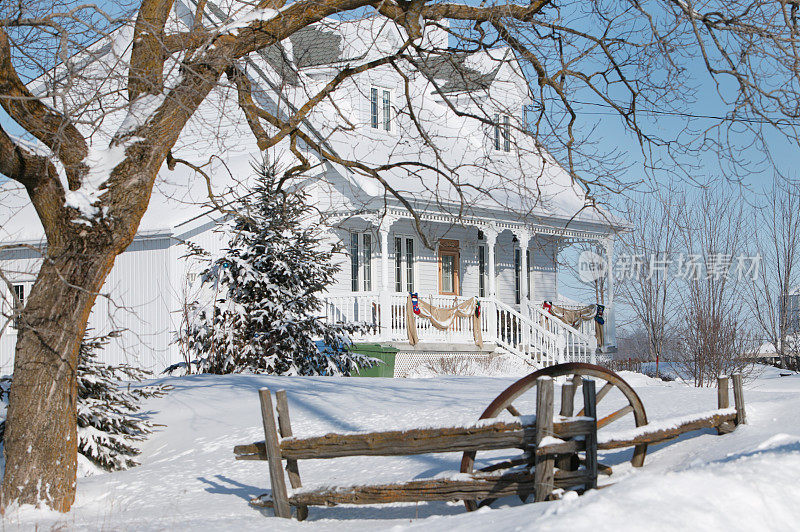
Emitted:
pixel 590 410
pixel 543 473
pixel 285 428
pixel 280 498
pixel 567 462
pixel 723 401
pixel 738 399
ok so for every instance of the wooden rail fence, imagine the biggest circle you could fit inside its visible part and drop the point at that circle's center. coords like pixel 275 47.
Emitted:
pixel 551 459
pixel 545 438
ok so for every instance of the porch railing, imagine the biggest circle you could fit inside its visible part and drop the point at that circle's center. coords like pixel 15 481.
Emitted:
pixel 579 345
pixel 362 308
pixel 538 336
pixel 585 327
pixel 459 332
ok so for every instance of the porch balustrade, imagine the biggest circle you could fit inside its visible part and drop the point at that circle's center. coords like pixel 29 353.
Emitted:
pixel 536 336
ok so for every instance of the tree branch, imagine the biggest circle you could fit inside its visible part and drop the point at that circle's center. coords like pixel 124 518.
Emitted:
pixel 50 127
pixel 21 165
pixel 148 55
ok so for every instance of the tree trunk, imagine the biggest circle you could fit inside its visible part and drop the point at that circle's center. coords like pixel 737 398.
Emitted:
pixel 41 429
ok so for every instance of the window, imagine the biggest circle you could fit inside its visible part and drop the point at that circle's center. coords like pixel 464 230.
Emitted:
pixel 380 108
pixel 354 261
pixel 448 267
pixel 387 111
pixel 19 293
pixel 403 264
pixel 482 271
pixel 409 264
pixel 374 107
pixel 398 264
pixel 518 276
pixel 360 262
pixel 367 261
pixel 502 132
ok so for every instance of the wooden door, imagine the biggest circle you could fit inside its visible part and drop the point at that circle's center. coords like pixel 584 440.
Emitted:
pixel 449 267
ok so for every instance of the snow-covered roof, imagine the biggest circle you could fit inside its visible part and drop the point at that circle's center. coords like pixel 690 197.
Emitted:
pixel 463 175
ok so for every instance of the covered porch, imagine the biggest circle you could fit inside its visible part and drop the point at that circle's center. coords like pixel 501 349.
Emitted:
pixel 509 268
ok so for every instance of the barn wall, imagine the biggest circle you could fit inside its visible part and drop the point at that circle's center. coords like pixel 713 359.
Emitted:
pixel 141 299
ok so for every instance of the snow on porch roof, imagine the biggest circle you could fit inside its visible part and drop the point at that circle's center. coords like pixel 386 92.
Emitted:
pixel 179 202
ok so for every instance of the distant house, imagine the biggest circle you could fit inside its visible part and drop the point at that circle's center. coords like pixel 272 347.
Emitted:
pixel 793 310
pixel 489 238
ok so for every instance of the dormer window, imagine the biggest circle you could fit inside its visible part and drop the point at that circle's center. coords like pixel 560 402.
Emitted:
pixel 502 133
pixel 380 108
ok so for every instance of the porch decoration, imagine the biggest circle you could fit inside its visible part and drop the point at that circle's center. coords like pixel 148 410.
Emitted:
pixel 573 317
pixel 415 303
pixel 442 318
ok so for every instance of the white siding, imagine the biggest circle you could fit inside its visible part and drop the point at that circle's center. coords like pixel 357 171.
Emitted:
pixel 142 302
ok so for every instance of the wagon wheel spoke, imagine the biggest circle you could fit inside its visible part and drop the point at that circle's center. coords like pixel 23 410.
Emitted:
pixel 615 416
pixel 607 387
pixel 513 411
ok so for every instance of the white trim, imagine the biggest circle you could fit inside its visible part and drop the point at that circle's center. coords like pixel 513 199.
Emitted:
pixel 483 223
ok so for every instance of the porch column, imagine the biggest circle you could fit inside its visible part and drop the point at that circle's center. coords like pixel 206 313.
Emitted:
pixel 611 322
pixel 491 233
pixel 385 297
pixel 524 237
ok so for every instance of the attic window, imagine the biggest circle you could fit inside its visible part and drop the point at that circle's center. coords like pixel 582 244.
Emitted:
pixel 380 108
pixel 502 133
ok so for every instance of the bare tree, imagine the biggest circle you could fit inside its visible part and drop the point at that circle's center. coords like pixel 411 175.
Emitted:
pixel 777 242
pixel 646 266
pixel 107 96
pixel 714 329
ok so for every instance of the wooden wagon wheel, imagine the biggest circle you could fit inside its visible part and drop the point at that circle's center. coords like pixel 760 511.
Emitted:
pixel 505 400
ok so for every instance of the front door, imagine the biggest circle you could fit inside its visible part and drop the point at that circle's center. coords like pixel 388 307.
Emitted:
pixel 449 267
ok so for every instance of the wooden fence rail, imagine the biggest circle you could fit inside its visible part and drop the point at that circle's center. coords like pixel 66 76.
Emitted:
pixel 479 437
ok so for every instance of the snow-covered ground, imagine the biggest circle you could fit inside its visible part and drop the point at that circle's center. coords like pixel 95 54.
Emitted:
pixel 747 480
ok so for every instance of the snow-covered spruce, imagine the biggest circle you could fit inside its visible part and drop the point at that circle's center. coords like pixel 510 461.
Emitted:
pixel 263 310
pixel 110 424
pixel 109 420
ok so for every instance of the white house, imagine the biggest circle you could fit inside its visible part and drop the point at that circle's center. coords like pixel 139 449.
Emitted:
pixel 475 227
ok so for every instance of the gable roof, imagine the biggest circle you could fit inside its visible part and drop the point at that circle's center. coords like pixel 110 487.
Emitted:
pixel 487 182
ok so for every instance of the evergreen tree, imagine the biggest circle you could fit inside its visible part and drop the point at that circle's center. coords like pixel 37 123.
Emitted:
pixel 264 313
pixel 110 425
